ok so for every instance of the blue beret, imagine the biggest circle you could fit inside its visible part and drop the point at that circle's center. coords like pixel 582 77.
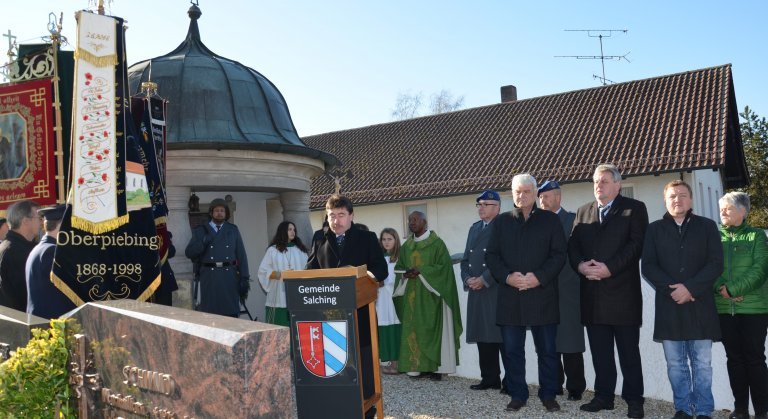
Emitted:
pixel 548 186
pixel 488 195
pixel 53 213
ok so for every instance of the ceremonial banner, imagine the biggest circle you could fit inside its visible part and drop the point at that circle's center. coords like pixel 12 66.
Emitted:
pixel 149 117
pixel 99 258
pixel 97 163
pixel 27 143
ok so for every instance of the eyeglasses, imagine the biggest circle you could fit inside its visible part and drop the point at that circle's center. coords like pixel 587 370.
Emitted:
pixel 485 205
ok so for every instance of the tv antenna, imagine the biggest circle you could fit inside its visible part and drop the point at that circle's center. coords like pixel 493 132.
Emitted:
pixel 599 34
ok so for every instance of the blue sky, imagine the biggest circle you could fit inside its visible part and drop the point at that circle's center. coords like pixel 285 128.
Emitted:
pixel 342 64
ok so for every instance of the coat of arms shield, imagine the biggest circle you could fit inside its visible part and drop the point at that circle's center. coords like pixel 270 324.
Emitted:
pixel 323 346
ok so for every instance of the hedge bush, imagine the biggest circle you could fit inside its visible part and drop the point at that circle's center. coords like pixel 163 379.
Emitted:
pixel 34 382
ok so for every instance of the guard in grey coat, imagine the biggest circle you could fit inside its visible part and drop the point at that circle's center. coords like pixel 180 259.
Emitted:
pixel 570 331
pixel 483 293
pixel 218 252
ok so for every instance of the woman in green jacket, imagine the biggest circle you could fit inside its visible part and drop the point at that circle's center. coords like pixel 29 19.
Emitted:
pixel 741 296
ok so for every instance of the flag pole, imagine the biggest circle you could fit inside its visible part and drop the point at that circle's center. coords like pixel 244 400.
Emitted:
pixel 59 153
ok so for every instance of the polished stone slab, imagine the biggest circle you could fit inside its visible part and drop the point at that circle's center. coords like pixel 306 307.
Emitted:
pixel 168 360
pixel 16 329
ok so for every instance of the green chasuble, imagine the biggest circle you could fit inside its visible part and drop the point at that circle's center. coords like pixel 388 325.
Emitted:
pixel 420 310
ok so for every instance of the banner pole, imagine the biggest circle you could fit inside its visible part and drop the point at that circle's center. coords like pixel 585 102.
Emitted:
pixel 55 41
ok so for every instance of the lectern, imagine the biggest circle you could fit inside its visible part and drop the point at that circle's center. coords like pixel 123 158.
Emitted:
pixel 335 342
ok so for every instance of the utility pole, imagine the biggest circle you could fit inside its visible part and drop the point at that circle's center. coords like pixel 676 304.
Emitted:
pixel 599 34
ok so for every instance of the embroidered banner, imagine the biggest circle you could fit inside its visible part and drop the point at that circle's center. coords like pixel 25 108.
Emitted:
pixel 101 258
pixel 120 264
pixel 98 201
pixel 27 143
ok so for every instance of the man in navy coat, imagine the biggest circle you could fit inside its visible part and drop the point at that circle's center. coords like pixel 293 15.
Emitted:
pixel 43 298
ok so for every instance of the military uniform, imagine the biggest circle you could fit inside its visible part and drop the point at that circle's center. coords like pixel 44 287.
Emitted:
pixel 481 304
pixel 222 264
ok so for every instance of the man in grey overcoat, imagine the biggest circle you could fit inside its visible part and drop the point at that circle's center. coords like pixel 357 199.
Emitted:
pixel 570 331
pixel 218 252
pixel 482 289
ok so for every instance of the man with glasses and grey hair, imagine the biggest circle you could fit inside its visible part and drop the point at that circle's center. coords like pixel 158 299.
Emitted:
pixel 25 224
pixel 605 248
pixel 525 253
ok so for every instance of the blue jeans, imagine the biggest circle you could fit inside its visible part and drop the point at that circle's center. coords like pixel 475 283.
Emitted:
pixel 514 357
pixel 691 386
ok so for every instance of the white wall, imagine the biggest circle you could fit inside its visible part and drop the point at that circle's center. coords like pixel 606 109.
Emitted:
pixel 451 218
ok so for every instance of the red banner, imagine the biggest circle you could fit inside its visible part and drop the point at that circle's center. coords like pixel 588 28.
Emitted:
pixel 27 143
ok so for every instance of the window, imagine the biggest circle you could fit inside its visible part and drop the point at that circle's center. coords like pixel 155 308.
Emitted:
pixel 628 191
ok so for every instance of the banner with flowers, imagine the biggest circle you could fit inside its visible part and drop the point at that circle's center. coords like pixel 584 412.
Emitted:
pixel 98 195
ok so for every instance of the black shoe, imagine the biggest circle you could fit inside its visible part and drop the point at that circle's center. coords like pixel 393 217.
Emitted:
pixel 710 417
pixel 551 405
pixel 485 386
pixel 739 414
pixel 574 396
pixel 559 392
pixel 435 376
pixel 515 405
pixel 635 410
pixel 681 415
pixel 596 405
pixel 763 415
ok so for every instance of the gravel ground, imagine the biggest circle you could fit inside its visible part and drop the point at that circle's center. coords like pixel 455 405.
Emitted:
pixel 451 398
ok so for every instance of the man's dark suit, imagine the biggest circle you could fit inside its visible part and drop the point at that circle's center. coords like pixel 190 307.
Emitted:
pixel 612 308
pixel 360 248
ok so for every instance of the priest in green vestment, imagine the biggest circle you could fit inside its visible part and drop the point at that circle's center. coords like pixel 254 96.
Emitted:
pixel 427 303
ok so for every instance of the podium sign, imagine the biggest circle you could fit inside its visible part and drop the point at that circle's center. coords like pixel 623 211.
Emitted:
pixel 332 343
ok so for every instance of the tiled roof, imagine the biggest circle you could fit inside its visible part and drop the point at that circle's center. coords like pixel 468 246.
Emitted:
pixel 678 122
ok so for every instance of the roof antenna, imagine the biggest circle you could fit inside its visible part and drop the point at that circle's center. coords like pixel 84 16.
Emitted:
pixel 600 34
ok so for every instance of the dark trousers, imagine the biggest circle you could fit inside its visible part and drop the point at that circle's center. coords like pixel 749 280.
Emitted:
pixel 627 339
pixel 488 353
pixel 744 342
pixel 572 367
pixel 164 298
pixel 514 352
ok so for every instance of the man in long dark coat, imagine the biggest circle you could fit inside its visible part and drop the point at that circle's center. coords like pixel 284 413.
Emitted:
pixel 25 226
pixel 526 251
pixel 682 259
pixel 570 331
pixel 605 248
pixel 222 265
pixel 483 293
